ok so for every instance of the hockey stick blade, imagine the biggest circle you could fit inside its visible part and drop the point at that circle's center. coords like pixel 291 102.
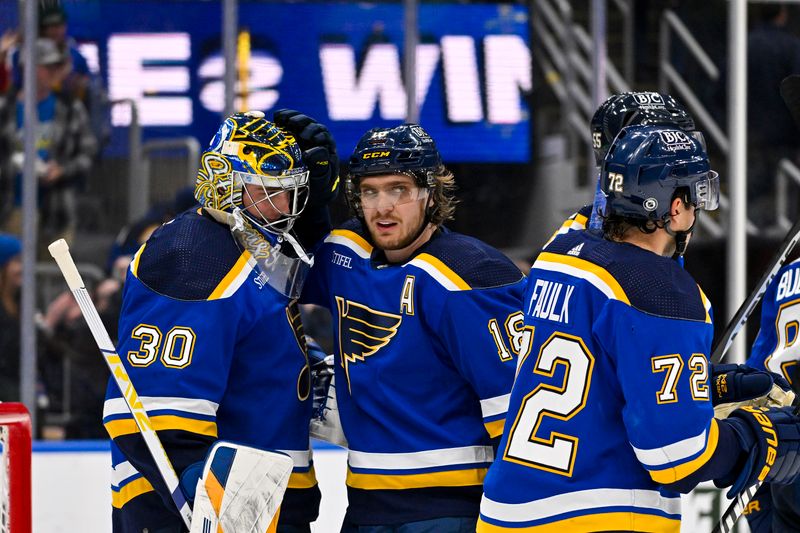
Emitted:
pixel 746 309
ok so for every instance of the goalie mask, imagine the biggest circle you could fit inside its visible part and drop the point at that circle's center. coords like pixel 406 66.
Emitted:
pixel 252 178
pixel 644 167
pixel 254 167
pixel 633 108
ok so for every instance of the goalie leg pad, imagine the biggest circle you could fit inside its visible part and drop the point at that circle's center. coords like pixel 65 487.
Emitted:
pixel 240 490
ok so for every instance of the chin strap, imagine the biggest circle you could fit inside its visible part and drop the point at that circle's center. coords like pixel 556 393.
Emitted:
pixel 681 237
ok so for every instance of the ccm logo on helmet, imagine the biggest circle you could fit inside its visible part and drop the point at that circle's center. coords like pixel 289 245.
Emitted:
pixel 375 155
pixel 771 440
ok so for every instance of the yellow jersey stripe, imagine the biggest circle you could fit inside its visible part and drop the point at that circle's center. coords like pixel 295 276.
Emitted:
pixel 644 523
pixel 495 427
pixel 135 262
pixel 355 237
pixel 444 270
pixel 586 266
pixel 672 474
pixel 581 220
pixel 232 278
pixel 127 426
pixel 706 304
pixel 303 480
pixel 133 489
pixel 451 478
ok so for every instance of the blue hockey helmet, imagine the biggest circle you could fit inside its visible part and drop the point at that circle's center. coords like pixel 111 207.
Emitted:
pixel 405 149
pixel 250 150
pixel 631 108
pixel 646 164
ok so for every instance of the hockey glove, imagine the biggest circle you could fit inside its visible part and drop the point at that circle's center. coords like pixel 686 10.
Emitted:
pixel 321 375
pixel 325 424
pixel 736 386
pixel 319 154
pixel 771 437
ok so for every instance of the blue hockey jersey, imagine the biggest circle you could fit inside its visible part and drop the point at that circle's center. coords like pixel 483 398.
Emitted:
pixel 424 354
pixel 776 348
pixel 214 353
pixel 611 399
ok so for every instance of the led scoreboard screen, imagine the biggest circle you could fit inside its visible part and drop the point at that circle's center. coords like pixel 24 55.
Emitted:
pixel 340 63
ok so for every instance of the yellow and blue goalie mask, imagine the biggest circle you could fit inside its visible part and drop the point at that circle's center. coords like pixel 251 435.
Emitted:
pixel 253 166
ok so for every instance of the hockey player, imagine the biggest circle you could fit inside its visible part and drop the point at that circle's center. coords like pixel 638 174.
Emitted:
pixel 777 507
pixel 610 416
pixel 210 333
pixel 427 328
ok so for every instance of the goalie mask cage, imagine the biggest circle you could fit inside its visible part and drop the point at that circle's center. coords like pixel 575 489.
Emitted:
pixel 15 468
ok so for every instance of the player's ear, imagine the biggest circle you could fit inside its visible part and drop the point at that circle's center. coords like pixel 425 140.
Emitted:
pixel 676 206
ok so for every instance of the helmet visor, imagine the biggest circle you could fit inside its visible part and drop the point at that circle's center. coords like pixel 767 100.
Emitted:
pixel 706 192
pixel 391 195
pixel 698 136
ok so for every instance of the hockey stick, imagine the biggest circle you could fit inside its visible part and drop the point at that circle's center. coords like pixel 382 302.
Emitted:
pixel 60 252
pixel 746 309
pixel 790 92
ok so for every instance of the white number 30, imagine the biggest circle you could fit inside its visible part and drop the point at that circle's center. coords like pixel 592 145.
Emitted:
pixel 176 351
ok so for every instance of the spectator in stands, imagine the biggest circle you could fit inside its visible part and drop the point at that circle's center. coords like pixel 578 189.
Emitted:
pixel 773 53
pixel 53 25
pixel 65 148
pixel 76 76
pixel 8 40
pixel 72 371
pixel 10 285
pixel 78 80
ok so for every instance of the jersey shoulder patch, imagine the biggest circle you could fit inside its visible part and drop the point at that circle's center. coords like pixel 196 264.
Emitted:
pixel 467 262
pixel 188 258
pixel 651 283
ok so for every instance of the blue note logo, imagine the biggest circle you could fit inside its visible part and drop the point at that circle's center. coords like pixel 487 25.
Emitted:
pixel 363 331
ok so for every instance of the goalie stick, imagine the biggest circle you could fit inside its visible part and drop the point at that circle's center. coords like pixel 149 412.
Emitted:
pixel 790 92
pixel 60 252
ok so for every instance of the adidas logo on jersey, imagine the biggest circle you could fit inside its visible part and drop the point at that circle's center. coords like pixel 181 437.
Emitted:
pixel 576 251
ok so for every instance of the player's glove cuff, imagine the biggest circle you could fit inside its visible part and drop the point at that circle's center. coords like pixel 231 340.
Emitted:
pixel 736 386
pixel 738 383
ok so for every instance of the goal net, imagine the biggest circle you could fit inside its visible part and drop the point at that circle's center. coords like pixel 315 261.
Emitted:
pixel 15 469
